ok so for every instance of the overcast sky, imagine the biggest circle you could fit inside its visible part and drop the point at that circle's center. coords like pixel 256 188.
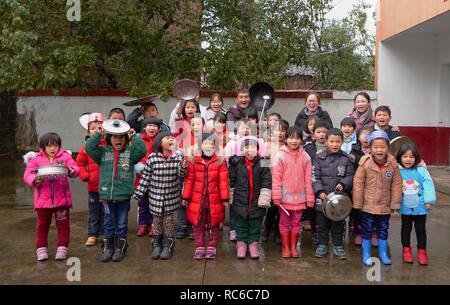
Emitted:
pixel 342 7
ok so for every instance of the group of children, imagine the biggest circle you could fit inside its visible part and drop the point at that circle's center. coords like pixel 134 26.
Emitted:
pixel 206 165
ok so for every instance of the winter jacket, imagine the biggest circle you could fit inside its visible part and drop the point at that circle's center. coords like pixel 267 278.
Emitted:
pixel 356 153
pixel 233 147
pixel 116 167
pixel 311 149
pixel 239 181
pixel 136 124
pixel 209 116
pixel 348 143
pixel 44 197
pixel 418 190
pixel 209 178
pixel 377 191
pixel 391 134
pixel 291 179
pixel 330 169
pixel 149 144
pixel 365 120
pixel 302 117
pixel 89 170
pixel 161 181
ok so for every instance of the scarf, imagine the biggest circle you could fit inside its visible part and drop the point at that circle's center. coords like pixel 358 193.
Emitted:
pixel 249 165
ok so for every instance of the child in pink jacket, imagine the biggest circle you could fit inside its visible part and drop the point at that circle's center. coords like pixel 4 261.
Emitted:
pixel 51 196
pixel 292 190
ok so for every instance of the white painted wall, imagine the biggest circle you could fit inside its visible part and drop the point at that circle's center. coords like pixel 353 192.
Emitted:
pixel 61 113
pixel 413 80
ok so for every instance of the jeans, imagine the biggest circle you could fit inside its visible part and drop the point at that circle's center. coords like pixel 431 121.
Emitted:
pixel 116 219
pixel 95 216
pixel 381 223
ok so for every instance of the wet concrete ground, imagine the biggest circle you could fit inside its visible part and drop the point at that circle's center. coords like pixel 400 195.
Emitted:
pixel 18 263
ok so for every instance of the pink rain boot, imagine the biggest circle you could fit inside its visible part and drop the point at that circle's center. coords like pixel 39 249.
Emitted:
pixel 61 253
pixel 253 249
pixel 241 247
pixel 42 254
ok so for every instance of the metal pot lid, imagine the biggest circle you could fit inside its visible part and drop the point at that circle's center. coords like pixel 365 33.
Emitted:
pixel 259 92
pixel 337 207
pixel 116 127
pixel 84 118
pixel 52 170
pixel 397 142
pixel 186 89
pixel 143 100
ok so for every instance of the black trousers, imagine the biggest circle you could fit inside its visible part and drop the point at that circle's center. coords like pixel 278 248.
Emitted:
pixel 324 225
pixel 272 221
pixel 419 224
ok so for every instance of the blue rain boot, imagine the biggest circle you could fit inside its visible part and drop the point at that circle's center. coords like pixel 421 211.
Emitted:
pixel 366 256
pixel 382 252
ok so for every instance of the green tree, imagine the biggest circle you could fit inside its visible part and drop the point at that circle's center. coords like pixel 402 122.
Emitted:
pixel 252 40
pixel 142 46
pixel 341 51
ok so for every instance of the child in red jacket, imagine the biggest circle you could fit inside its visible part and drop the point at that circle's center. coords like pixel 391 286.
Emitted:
pixel 89 172
pixel 205 194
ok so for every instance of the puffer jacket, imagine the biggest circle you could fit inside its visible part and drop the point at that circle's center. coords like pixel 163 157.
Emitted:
pixel 418 190
pixel 149 144
pixel 331 169
pixel 302 117
pixel 89 170
pixel 291 179
pixel 239 181
pixel 44 198
pixel 210 178
pixel 377 191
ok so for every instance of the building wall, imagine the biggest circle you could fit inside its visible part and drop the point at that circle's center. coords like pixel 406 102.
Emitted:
pixel 61 113
pixel 414 80
pixel 396 16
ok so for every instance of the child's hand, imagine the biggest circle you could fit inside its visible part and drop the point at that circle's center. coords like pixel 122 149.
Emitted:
pixel 428 206
pixel 38 181
pixel 178 109
pixel 71 172
pixel 226 204
pixel 185 162
pixel 395 128
pixel 185 202
pixel 339 187
pixel 131 132
pixel 323 196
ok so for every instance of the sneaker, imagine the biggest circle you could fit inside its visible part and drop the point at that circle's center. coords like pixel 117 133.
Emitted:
pixel 321 251
pixel 233 235
pixel 142 230
pixel 42 254
pixel 210 253
pixel 61 253
pixel 339 252
pixel 91 241
pixel 241 249
pixel 422 257
pixel 199 253
pixel 191 236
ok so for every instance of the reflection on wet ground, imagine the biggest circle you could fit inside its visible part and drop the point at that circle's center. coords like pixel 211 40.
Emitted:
pixel 18 264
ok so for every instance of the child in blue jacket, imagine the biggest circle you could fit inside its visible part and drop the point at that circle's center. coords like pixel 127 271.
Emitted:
pixel 418 197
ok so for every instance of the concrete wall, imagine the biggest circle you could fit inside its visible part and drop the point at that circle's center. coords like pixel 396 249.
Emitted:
pixel 61 113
